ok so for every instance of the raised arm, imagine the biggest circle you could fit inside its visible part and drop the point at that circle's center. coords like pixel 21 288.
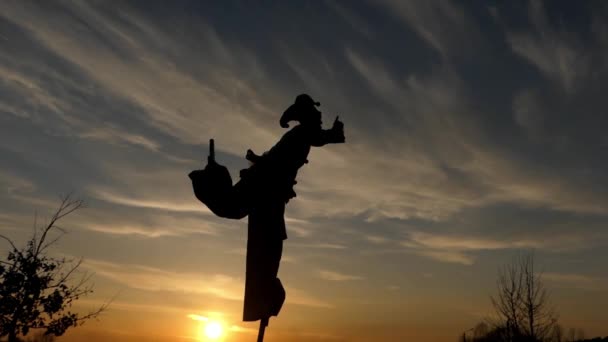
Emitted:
pixel 334 135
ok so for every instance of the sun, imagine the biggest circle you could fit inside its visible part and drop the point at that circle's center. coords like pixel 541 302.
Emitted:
pixel 213 330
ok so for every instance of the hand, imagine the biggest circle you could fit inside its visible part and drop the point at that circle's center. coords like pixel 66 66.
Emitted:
pixel 338 127
pixel 338 124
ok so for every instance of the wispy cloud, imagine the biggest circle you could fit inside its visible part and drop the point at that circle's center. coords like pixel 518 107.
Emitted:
pixel 443 25
pixel 172 100
pixel 456 257
pixel 198 318
pixel 217 285
pixel 337 276
pixel 35 94
pixel 116 135
pixel 300 297
pixel 155 279
pixel 189 206
pixel 155 231
pixel 376 239
pixel 461 249
pixel 467 243
pixel 580 281
pixel 556 54
pixel 320 245
pixel 14 184
pixel 356 21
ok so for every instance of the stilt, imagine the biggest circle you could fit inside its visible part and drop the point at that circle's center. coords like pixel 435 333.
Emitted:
pixel 263 324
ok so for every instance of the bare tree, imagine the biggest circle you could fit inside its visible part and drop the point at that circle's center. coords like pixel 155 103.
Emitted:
pixel 580 334
pixel 557 335
pixel 522 302
pixel 37 290
pixel 539 317
pixel 480 331
pixel 41 337
pixel 571 337
pixel 508 302
pixel 575 335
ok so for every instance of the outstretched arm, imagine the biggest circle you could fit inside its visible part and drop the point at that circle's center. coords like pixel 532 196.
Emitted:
pixel 334 135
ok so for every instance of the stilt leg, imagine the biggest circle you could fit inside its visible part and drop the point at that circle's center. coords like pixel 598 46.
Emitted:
pixel 263 324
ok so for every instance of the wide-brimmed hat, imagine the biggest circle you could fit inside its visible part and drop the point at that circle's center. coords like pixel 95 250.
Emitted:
pixel 294 112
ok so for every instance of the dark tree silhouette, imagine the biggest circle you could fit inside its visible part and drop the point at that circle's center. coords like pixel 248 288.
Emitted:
pixel 575 335
pixel 38 290
pixel 522 302
pixel 523 310
pixel 508 301
pixel 499 334
pixel 557 333
pixel 522 307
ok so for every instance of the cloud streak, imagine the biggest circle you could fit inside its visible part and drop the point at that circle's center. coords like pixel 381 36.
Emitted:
pixel 221 286
pixel 337 276
pixel 579 281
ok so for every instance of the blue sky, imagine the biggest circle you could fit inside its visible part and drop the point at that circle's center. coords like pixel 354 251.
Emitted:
pixel 475 131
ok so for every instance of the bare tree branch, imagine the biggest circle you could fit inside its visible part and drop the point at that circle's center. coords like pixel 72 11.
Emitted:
pixel 9 241
pixel 66 207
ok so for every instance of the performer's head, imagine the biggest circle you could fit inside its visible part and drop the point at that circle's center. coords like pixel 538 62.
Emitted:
pixel 304 110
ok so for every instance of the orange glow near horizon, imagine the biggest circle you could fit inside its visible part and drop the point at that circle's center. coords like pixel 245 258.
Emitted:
pixel 209 329
pixel 213 330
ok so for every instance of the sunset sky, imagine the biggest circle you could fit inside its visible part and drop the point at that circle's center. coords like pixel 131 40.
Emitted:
pixel 475 131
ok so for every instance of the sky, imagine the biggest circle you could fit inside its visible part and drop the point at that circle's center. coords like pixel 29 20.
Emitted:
pixel 475 131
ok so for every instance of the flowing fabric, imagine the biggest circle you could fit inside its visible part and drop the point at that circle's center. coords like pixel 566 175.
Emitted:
pixel 264 293
pixel 213 187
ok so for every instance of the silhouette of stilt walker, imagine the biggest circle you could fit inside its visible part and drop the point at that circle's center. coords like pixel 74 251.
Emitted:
pixel 262 193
